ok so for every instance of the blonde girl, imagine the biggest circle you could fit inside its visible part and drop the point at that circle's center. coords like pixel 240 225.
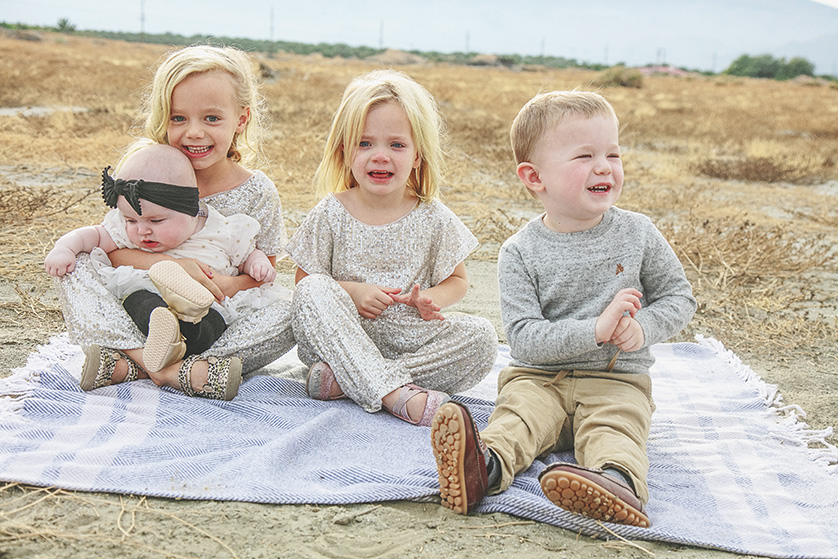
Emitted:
pixel 205 102
pixel 380 256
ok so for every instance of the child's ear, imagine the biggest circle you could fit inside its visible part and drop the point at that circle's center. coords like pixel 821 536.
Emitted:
pixel 418 161
pixel 529 176
pixel 243 118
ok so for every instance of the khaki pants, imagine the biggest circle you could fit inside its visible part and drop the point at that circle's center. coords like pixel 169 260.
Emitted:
pixel 604 417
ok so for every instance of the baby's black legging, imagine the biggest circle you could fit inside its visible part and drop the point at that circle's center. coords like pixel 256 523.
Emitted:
pixel 199 336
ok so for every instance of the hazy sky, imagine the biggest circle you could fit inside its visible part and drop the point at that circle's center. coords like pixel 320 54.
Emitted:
pixel 705 34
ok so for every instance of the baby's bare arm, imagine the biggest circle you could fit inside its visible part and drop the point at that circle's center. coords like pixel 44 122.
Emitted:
pixel 259 267
pixel 62 258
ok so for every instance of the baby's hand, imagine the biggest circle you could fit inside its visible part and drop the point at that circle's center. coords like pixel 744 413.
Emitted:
pixel 628 336
pixel 625 301
pixel 426 307
pixel 60 260
pixel 263 270
pixel 370 300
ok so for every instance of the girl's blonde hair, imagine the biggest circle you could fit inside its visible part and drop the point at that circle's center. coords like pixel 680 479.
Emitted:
pixel 198 59
pixel 334 174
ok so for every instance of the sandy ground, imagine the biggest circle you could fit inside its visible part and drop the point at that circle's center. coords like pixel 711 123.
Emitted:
pixel 56 523
pixel 49 523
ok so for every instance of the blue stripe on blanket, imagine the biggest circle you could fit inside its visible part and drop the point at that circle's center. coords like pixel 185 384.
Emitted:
pixel 731 467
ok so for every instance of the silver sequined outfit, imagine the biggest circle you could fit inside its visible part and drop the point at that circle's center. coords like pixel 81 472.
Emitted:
pixel 372 357
pixel 94 316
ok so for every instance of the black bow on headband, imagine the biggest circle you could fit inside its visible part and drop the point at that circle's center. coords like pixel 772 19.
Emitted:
pixel 183 199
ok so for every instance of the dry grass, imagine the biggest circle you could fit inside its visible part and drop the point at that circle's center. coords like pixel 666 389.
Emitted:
pixel 735 172
pixel 729 168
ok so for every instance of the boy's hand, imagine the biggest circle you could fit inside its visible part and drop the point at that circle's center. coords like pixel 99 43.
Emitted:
pixel 426 307
pixel 369 299
pixel 60 260
pixel 625 301
pixel 628 336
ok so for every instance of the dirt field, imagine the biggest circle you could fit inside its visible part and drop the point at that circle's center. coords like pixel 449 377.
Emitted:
pixel 739 174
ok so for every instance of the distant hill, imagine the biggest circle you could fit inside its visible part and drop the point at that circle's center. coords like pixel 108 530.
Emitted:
pixel 702 35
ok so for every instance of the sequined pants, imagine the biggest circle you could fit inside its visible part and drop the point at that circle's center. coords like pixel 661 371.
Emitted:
pixel 372 357
pixel 94 316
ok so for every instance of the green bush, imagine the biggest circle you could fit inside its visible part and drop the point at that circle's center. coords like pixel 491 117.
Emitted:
pixel 766 66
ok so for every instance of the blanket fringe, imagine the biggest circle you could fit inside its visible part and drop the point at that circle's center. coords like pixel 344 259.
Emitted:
pixel 791 415
pixel 17 387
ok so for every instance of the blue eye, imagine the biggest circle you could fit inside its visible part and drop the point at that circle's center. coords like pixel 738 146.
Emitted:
pixel 364 144
pixel 398 145
pixel 213 119
pixel 177 118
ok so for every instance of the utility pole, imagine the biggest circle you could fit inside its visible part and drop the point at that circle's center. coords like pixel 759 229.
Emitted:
pixel 381 34
pixel 142 21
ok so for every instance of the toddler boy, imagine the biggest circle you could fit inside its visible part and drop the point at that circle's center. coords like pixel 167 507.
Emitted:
pixel 586 289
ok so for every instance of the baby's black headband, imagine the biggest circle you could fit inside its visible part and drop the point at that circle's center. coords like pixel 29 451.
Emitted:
pixel 183 199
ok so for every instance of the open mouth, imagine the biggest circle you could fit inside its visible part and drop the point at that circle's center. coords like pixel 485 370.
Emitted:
pixel 600 188
pixel 197 150
pixel 380 174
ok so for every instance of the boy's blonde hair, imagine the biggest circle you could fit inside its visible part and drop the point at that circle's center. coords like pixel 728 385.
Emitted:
pixel 546 110
pixel 199 59
pixel 334 174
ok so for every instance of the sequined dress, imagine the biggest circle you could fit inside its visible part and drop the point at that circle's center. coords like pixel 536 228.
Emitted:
pixel 93 315
pixel 372 357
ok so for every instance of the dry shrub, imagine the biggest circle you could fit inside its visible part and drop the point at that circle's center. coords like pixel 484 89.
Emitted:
pixel 791 161
pixel 755 281
pixel 19 204
pixel 619 76
pixel 755 169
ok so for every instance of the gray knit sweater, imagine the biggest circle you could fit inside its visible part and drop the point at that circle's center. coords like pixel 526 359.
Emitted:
pixel 554 286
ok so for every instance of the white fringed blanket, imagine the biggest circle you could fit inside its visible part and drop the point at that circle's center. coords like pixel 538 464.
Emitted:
pixel 732 468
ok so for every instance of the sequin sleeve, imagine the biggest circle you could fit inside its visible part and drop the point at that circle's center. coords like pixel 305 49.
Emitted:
pixel 312 244
pixel 453 242
pixel 258 198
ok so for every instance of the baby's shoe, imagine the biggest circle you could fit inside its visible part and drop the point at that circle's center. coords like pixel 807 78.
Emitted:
pixel 164 344
pixel 188 299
